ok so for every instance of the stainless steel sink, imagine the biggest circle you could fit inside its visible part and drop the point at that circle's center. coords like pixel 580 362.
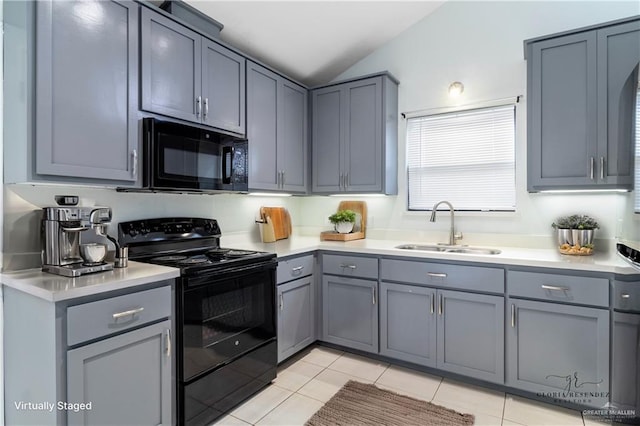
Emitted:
pixel 448 249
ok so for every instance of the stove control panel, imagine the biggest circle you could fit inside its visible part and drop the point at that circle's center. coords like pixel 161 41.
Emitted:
pixel 165 229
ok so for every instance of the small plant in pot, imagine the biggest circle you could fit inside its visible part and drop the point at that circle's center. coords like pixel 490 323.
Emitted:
pixel 343 221
pixel 575 234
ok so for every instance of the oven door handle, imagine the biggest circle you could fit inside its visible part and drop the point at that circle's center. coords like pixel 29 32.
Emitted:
pixel 207 277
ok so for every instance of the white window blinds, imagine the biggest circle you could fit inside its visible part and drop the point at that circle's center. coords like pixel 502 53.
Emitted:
pixel 466 157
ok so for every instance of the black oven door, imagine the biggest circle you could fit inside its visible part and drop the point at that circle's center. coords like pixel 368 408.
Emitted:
pixel 226 315
pixel 181 157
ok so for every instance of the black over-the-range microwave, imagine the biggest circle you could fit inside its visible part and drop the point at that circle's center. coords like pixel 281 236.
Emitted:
pixel 178 157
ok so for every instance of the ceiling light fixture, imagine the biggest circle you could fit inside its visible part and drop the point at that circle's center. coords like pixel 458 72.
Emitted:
pixel 456 88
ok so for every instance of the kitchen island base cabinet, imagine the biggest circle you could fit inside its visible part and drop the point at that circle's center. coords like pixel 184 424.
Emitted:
pixel 126 379
pixel 555 348
pixel 296 316
pixel 471 335
pixel 350 312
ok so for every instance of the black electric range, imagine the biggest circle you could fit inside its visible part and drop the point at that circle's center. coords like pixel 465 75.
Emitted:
pixel 225 318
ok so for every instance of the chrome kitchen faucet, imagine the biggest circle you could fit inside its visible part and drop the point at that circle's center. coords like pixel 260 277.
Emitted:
pixel 452 233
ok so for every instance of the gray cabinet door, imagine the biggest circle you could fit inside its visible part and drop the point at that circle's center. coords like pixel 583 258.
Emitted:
pixel 553 348
pixel 86 84
pixel 350 312
pixel 170 58
pixel 618 59
pixel 296 315
pixel 625 366
pixel 471 334
pixel 262 119
pixel 362 147
pixel 126 378
pixel 223 88
pixel 562 125
pixel 408 323
pixel 292 137
pixel 327 136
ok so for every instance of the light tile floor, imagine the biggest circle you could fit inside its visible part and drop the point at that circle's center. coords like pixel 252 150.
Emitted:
pixel 311 378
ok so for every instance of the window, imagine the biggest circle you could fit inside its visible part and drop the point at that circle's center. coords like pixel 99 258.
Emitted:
pixel 465 157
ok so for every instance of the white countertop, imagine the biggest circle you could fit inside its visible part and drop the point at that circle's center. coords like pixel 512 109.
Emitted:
pixel 608 262
pixel 55 288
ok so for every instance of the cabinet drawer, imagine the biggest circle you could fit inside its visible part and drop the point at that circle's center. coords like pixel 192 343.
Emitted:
pixel 108 316
pixel 626 296
pixel 444 275
pixel 353 266
pixel 292 269
pixel 561 288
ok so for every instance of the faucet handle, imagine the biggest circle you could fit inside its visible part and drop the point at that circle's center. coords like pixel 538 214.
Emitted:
pixel 457 236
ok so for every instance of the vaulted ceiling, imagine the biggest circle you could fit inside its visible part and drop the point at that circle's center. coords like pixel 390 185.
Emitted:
pixel 313 41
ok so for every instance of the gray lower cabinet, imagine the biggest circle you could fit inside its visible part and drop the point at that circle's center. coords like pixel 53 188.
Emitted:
pixel 580 111
pixel 187 76
pixel 471 335
pixel 277 129
pixel 86 89
pixel 127 379
pixel 451 330
pixel 408 323
pixel 296 316
pixel 555 348
pixel 350 312
pixel 625 364
pixel 354 137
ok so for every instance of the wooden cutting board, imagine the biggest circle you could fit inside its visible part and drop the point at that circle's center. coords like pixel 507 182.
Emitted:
pixel 281 220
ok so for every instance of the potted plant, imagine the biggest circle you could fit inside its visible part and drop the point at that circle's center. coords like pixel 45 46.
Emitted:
pixel 343 221
pixel 575 234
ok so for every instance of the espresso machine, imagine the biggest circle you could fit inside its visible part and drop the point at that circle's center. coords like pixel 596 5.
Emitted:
pixel 62 229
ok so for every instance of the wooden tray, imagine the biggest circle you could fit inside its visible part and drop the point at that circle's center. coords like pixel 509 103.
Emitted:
pixel 336 236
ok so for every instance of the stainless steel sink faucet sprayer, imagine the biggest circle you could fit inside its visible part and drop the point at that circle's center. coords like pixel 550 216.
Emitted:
pixel 452 232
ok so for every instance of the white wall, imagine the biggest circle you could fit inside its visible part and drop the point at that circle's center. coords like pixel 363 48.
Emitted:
pixel 481 44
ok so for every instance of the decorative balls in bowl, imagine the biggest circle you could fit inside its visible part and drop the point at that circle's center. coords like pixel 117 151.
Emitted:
pixel 575 234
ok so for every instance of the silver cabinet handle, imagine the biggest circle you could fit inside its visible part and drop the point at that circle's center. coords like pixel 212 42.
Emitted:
pixel 625 296
pixel 127 313
pixel 513 315
pixel 555 288
pixel 206 107
pixel 348 266
pixel 281 302
pixel 441 305
pixel 437 274
pixel 373 295
pixel 432 307
pixel 341 183
pixel 591 167
pixel 297 270
pixel 283 178
pixel 602 168
pixel 134 165
pixel 198 106
pixel 346 181
pixel 168 343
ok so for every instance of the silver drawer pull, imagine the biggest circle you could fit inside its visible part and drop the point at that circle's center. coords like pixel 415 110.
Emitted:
pixel 513 315
pixel 625 296
pixel 127 313
pixel 297 270
pixel 555 287
pixel 348 266
pixel 432 308
pixel 168 343
pixel 437 274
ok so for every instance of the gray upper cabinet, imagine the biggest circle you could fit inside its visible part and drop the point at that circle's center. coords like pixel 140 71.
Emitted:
pixel 354 136
pixel 471 334
pixel 553 348
pixel 277 131
pixel 350 312
pixel 87 90
pixel 189 77
pixel 127 379
pixel 581 102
